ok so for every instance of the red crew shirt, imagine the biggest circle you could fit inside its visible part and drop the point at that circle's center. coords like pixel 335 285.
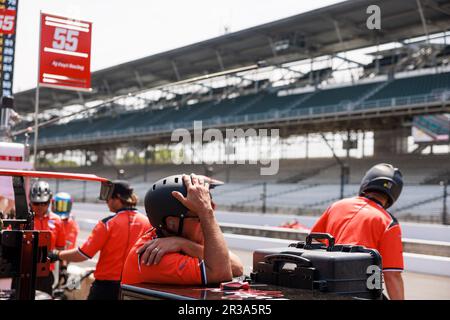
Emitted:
pixel 71 230
pixel 173 268
pixel 113 237
pixel 52 222
pixel 361 221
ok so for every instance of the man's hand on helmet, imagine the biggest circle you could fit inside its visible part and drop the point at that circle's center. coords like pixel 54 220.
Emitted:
pixel 198 198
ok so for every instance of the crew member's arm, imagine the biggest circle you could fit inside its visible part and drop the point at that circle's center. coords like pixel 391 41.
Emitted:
pixel 167 245
pixel 394 285
pixel 236 265
pixel 215 252
pixel 391 250
pixel 72 255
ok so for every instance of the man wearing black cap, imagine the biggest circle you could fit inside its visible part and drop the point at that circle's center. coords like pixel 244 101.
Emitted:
pixel 113 237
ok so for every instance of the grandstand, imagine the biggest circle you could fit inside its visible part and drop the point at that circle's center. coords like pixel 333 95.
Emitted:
pixel 429 89
pixel 286 75
pixel 320 32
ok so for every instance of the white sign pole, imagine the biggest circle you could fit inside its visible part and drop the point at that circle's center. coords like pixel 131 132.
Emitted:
pixel 36 103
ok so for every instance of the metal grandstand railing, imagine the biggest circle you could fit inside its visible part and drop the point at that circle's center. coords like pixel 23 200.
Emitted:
pixel 409 100
pixel 416 100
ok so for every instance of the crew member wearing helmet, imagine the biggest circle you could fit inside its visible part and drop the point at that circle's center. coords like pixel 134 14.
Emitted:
pixel 62 206
pixel 45 220
pixel 113 237
pixel 186 245
pixel 363 220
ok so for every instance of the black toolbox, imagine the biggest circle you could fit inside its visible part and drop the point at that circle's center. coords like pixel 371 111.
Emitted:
pixel 342 269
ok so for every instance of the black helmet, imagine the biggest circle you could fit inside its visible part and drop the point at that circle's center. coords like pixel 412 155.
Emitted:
pixel 160 203
pixel 40 192
pixel 385 179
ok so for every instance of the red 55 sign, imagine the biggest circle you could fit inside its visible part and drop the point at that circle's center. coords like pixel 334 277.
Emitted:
pixel 7 21
pixel 64 39
pixel 65 53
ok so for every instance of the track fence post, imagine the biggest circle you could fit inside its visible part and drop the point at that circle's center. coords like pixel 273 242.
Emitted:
pixel 444 206
pixel 264 197
pixel 84 190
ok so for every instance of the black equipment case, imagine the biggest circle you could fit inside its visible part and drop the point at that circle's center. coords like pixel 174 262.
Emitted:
pixel 342 269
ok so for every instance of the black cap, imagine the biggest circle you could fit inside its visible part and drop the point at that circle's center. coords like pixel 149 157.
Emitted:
pixel 121 188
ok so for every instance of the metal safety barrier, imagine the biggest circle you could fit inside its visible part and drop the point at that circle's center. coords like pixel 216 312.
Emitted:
pixel 414 246
pixel 427 247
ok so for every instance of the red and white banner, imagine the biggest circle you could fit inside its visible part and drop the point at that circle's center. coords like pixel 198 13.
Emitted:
pixel 65 53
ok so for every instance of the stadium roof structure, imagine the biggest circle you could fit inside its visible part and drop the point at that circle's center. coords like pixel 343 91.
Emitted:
pixel 325 31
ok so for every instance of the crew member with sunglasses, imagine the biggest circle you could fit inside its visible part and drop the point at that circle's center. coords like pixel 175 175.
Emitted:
pixel 46 220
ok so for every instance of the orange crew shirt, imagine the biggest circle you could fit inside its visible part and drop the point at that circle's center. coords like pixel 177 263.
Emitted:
pixel 362 221
pixel 173 268
pixel 72 230
pixel 113 237
pixel 53 223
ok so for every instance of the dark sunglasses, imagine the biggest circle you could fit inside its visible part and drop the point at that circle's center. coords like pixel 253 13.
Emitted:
pixel 40 204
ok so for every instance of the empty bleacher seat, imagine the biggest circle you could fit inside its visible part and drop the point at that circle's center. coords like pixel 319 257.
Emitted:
pixel 270 102
pixel 414 86
pixel 337 96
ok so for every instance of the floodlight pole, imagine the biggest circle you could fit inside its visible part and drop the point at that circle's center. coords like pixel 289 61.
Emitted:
pixel 424 22
pixel 342 165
